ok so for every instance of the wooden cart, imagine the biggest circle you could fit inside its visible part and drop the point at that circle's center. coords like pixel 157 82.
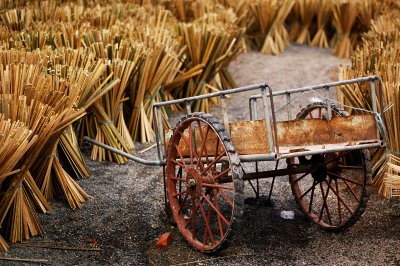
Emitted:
pixel 324 148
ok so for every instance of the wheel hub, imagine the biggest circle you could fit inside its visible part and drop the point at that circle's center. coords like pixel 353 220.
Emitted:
pixel 319 169
pixel 193 182
pixel 319 173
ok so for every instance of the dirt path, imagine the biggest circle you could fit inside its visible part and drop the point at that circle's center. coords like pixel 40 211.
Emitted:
pixel 126 216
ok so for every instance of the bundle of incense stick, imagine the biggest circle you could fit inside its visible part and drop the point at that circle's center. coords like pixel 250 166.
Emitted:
pixel 379 54
pixel 308 10
pixel 270 16
pixel 124 60
pixel 345 14
pixel 17 211
pixel 107 123
pixel 159 66
pixel 85 89
pixel 211 45
pixel 21 195
pixel 230 23
pixel 161 63
pixel 201 9
pixel 48 89
pixel 50 59
pixel 70 154
pixel 324 11
pixel 14 19
pixel 388 178
pixel 368 10
pixel 15 140
pixel 293 21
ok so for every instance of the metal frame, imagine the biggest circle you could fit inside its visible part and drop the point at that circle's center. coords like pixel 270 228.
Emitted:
pixel 158 125
pixel 325 86
pixel 273 152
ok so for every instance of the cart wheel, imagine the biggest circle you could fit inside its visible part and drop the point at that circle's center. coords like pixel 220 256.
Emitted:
pixel 206 204
pixel 333 193
pixel 319 110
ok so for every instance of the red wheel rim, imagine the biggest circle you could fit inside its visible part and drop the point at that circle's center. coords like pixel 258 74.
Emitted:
pixel 333 193
pixel 201 201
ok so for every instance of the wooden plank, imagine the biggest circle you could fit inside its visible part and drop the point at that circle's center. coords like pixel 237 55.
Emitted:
pixel 250 137
pixel 309 132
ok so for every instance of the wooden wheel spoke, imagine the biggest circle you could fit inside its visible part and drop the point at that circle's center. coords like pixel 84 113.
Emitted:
pixel 193 217
pixel 339 206
pixel 222 173
pixel 188 145
pixel 221 231
pixel 177 178
pixel 203 149
pixel 208 229
pixel 310 115
pixel 194 149
pixel 215 209
pixel 351 190
pixel 311 197
pixel 180 193
pixel 217 186
pixel 178 163
pixel 181 157
pixel 345 178
pixel 183 203
pixel 226 197
pixel 301 177
pixel 324 204
pixel 214 162
pixel 339 198
pixel 191 143
pixel 319 112
pixel 308 190
pixel 193 213
pixel 209 218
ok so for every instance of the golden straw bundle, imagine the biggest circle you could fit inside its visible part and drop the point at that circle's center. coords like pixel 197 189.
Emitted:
pixel 320 38
pixel 17 211
pixel 345 14
pixel 211 45
pixel 379 54
pixel 308 10
pixel 161 64
pixel 270 16
pixel 15 140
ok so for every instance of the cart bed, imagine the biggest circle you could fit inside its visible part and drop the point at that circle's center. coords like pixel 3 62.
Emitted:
pixel 250 137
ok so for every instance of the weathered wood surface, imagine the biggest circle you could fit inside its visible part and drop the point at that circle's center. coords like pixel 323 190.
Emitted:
pixel 250 137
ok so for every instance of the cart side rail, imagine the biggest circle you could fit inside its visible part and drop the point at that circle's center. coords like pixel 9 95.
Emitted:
pixel 158 120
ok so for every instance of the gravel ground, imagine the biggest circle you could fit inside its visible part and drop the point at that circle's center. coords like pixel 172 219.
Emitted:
pixel 125 215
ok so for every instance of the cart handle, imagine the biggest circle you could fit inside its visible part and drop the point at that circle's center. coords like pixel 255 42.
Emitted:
pixel 320 86
pixel 210 95
pixel 122 153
